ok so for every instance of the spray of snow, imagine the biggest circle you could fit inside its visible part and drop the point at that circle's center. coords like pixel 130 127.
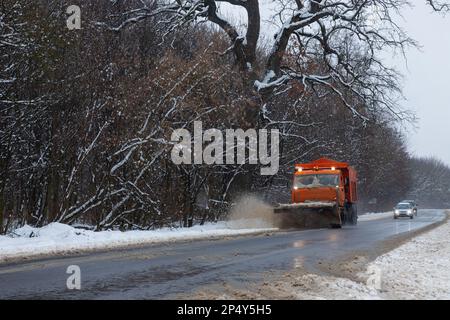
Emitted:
pixel 251 212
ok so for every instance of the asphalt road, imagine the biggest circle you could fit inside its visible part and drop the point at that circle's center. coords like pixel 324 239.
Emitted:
pixel 170 270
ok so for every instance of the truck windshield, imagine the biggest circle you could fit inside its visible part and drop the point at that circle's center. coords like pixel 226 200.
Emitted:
pixel 316 180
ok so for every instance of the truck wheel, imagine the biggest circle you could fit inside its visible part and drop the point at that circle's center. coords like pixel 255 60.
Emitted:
pixel 343 216
pixel 354 215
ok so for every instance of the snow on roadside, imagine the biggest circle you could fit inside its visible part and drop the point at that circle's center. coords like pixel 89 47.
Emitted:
pixel 57 238
pixel 316 287
pixel 418 269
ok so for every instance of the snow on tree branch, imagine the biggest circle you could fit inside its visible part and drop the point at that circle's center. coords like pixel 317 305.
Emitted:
pixel 439 6
pixel 310 29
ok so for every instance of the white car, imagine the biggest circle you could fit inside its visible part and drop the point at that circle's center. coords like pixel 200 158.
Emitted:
pixel 404 209
pixel 414 205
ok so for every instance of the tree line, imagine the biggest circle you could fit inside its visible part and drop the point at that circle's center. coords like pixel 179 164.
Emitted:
pixel 87 115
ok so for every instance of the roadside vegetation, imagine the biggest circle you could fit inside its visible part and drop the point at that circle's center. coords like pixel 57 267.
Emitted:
pixel 86 116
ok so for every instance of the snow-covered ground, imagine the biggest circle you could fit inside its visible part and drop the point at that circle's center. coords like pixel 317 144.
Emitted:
pixel 57 238
pixel 418 269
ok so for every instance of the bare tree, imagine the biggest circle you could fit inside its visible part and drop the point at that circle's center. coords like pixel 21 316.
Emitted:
pixel 313 28
pixel 431 182
pixel 86 116
pixel 439 6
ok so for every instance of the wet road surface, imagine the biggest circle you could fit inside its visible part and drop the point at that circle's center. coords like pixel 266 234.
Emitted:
pixel 168 270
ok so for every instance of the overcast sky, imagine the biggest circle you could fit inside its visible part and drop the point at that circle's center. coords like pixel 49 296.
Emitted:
pixel 427 81
pixel 426 75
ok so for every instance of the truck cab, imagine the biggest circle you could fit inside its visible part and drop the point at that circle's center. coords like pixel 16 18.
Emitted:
pixel 320 185
pixel 326 180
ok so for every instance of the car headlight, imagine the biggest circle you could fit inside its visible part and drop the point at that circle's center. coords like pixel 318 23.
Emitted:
pixel 397 211
pixel 409 211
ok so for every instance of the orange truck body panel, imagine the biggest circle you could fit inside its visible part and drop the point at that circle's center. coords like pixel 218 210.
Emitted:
pixel 346 190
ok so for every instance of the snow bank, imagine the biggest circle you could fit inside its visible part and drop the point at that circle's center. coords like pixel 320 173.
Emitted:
pixel 315 287
pixel 419 269
pixel 57 238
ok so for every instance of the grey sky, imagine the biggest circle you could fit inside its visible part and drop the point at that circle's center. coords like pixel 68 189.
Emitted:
pixel 427 81
pixel 426 74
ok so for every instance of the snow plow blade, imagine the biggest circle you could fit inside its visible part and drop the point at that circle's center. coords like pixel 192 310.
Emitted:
pixel 309 215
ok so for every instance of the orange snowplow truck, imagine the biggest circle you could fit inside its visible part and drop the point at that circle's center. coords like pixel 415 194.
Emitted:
pixel 323 195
